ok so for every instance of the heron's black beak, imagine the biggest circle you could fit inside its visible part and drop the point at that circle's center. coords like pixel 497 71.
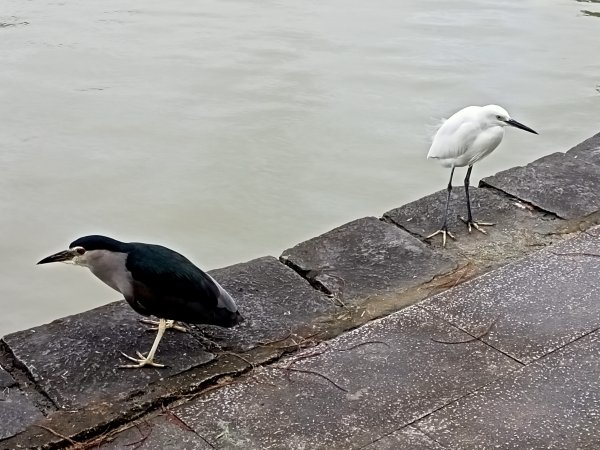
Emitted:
pixel 516 124
pixel 65 255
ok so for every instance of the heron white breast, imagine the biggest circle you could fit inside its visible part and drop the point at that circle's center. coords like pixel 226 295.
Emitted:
pixel 110 268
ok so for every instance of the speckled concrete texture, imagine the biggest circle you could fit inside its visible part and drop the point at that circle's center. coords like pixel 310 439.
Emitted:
pixel 364 257
pixel 536 305
pixel 566 186
pixel 273 299
pixel 388 374
pixel 159 433
pixel 408 438
pixel 75 360
pixel 5 379
pixel 16 411
pixel 553 403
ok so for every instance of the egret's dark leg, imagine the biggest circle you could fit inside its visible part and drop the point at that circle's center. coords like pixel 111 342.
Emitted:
pixel 148 360
pixel 444 229
pixel 469 221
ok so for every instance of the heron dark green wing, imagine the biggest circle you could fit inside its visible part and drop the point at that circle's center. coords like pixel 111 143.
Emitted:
pixel 170 274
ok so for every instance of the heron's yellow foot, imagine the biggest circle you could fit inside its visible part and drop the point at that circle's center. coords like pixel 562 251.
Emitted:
pixel 477 225
pixel 444 233
pixel 171 324
pixel 142 361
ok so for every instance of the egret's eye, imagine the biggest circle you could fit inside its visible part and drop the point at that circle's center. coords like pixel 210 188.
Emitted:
pixel 499 117
pixel 80 250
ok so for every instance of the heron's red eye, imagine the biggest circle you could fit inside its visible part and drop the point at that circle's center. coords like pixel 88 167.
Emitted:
pixel 80 250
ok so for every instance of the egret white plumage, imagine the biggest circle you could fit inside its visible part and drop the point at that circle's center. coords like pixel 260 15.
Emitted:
pixel 465 138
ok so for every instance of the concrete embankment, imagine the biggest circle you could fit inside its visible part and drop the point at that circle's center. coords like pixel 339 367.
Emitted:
pixel 499 347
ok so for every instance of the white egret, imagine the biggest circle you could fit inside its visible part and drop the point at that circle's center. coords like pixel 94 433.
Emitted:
pixel 465 138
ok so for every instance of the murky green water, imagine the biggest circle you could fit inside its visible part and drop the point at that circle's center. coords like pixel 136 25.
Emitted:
pixel 231 129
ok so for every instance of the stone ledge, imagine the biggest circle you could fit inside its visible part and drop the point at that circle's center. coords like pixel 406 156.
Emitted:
pixel 558 183
pixel 588 150
pixel 75 360
pixel 274 300
pixel 366 257
pixel 518 228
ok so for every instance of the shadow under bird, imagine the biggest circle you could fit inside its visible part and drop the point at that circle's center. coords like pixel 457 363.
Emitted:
pixel 155 281
pixel 465 138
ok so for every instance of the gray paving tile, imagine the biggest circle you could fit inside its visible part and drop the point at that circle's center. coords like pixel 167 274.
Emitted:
pixel 16 412
pixel 539 303
pixel 392 372
pixel 566 186
pixel 159 433
pixel 75 359
pixel 553 403
pixel 424 216
pixel 588 150
pixel 408 438
pixel 273 299
pixel 365 257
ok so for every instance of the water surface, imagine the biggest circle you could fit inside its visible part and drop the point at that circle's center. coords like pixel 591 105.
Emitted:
pixel 231 129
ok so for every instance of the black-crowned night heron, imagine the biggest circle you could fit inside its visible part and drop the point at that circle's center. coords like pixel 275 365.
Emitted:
pixel 155 281
pixel 465 138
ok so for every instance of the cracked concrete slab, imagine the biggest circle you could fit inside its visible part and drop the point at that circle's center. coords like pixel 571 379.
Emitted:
pixel 159 433
pixel 408 438
pixel 273 299
pixel 75 359
pixel 536 305
pixel 365 257
pixel 387 374
pixel 553 403
pixel 504 240
pixel 559 183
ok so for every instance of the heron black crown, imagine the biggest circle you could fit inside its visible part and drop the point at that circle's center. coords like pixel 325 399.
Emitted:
pixel 97 242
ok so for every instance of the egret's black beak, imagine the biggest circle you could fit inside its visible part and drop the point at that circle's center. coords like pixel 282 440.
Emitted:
pixel 516 124
pixel 65 255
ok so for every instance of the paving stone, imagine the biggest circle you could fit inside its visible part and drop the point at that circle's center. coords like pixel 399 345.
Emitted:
pixel 537 304
pixel 273 299
pixel 566 186
pixel 75 359
pixel 16 412
pixel 424 216
pixel 365 257
pixel 392 372
pixel 553 403
pixel 159 433
pixel 408 438
pixel 588 150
